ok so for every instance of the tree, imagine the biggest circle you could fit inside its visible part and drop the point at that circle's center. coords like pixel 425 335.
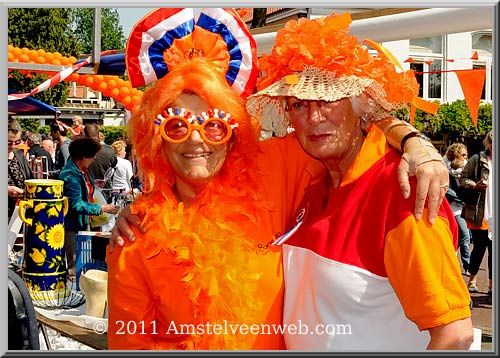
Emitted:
pixel 41 28
pixel 112 37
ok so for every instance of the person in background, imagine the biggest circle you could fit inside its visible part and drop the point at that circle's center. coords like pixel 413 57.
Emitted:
pixel 34 141
pixel 104 160
pixel 477 177
pixel 77 128
pixel 18 167
pixel 79 188
pixel 23 146
pixel 48 145
pixel 358 257
pixel 455 158
pixel 123 170
pixel 58 132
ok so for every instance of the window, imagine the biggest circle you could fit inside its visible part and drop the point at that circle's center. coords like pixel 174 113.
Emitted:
pixel 428 55
pixel 428 75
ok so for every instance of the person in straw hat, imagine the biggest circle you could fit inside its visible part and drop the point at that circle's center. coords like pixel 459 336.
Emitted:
pixel 360 268
pixel 216 200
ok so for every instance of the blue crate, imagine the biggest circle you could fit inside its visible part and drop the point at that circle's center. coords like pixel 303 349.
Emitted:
pixel 84 257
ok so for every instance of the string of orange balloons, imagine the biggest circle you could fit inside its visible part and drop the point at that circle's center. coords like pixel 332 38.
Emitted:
pixel 110 86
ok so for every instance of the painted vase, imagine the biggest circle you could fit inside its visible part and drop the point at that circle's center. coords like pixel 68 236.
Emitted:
pixel 44 262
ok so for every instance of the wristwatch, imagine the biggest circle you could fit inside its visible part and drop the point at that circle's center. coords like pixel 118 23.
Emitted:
pixel 413 135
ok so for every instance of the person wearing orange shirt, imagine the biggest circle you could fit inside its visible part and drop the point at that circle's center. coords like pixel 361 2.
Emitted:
pixel 360 272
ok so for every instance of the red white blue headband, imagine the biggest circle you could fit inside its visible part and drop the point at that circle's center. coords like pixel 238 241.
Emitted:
pixel 166 38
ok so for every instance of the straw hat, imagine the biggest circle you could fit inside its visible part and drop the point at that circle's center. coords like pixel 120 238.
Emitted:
pixel 318 60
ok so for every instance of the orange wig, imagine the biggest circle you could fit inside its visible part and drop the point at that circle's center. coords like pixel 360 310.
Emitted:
pixel 203 79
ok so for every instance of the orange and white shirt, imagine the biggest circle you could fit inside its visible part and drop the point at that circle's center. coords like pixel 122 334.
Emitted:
pixel 361 273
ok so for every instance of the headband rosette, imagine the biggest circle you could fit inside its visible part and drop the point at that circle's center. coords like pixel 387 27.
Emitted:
pixel 166 38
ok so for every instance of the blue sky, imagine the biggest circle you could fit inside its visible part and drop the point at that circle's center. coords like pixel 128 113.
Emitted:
pixel 129 16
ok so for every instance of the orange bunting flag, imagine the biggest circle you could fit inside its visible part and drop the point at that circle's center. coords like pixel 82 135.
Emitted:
pixel 409 60
pixel 451 60
pixel 472 82
pixel 429 62
pixel 475 56
pixel 413 110
pixel 424 105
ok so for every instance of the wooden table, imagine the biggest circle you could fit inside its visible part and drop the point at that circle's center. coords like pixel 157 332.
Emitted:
pixel 77 333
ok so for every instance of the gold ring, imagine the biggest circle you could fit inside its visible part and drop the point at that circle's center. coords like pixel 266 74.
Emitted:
pixel 444 186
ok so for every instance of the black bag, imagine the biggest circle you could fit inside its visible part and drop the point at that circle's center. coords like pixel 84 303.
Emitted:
pixel 23 326
pixel 469 196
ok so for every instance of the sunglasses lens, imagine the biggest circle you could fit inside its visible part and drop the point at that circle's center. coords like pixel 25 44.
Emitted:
pixel 176 129
pixel 216 130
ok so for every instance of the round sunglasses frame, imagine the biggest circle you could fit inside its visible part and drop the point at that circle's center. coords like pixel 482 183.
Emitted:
pixel 196 126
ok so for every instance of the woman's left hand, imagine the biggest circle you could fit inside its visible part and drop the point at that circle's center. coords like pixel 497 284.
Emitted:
pixel 422 160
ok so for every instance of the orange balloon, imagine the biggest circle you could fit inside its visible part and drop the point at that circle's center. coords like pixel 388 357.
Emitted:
pixel 124 91
pixel 120 82
pixel 112 84
pixel 115 93
pixel 33 54
pixel 17 52
pixel 136 100
pixel 102 86
pixel 89 81
pixel 98 78
pixel 126 100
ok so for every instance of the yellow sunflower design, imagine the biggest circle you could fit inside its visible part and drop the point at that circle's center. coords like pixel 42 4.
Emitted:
pixel 58 286
pixel 55 237
pixel 55 209
pixel 39 207
pixel 39 228
pixel 57 189
pixel 31 189
pixel 38 256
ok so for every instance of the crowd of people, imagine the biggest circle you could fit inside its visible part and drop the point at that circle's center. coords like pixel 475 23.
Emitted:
pixel 82 161
pixel 322 224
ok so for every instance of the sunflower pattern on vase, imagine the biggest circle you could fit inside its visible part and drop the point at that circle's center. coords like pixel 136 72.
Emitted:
pixel 44 266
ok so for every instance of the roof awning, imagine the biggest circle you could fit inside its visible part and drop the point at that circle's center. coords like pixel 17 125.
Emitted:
pixel 30 105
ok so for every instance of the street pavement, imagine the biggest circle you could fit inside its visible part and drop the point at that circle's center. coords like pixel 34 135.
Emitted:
pixel 482 314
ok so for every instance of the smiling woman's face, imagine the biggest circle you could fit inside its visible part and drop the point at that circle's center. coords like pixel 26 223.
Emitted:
pixel 194 161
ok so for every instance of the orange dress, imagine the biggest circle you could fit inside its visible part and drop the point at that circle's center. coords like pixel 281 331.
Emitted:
pixel 205 276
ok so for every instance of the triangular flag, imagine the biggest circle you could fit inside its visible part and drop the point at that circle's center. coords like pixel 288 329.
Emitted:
pixel 475 56
pixel 409 60
pixel 472 82
pixel 424 105
pixel 451 60
pixel 429 62
pixel 413 110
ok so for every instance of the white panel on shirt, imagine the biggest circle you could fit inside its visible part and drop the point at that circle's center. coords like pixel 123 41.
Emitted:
pixel 349 300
